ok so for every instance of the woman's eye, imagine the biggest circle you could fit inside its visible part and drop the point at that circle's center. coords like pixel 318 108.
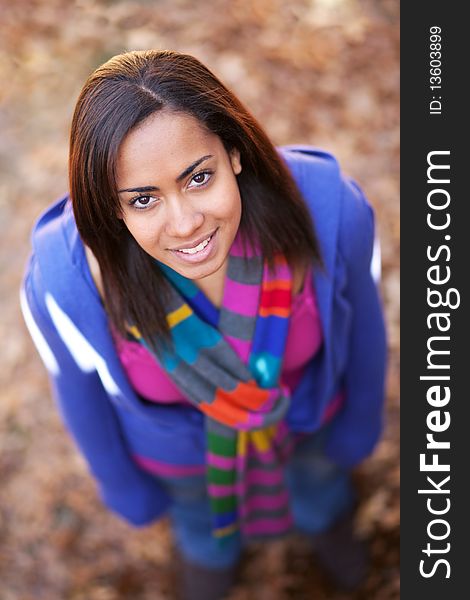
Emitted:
pixel 142 202
pixel 200 179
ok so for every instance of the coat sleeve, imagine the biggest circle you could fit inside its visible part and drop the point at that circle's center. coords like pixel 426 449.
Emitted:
pixel 90 417
pixel 355 431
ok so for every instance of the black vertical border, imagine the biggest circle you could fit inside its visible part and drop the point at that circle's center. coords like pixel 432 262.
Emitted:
pixel 422 133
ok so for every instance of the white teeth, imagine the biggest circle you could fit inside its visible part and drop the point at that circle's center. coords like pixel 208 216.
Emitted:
pixel 198 248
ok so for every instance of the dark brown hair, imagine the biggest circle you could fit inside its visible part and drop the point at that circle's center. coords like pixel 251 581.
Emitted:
pixel 118 96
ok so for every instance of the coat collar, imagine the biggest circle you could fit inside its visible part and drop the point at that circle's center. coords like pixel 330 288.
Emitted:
pixel 318 178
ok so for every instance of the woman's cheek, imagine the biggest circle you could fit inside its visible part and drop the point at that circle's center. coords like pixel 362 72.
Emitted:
pixel 145 234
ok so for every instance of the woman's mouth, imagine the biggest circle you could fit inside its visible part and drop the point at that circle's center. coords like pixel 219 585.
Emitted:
pixel 196 254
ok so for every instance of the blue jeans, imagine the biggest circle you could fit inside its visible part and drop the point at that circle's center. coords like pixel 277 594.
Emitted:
pixel 319 493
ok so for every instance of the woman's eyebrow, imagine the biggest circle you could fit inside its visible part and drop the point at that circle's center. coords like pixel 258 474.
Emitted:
pixel 187 171
pixel 192 166
pixel 147 188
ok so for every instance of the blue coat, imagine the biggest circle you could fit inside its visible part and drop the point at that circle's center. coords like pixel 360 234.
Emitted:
pixel 109 422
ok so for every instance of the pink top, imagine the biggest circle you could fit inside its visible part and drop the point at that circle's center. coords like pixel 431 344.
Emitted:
pixel 304 339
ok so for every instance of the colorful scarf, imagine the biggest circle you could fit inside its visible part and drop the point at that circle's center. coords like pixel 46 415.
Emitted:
pixel 228 364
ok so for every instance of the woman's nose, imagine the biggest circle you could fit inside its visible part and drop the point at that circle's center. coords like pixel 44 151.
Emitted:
pixel 183 219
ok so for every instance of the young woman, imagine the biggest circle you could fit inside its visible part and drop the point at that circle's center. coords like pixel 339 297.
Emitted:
pixel 205 307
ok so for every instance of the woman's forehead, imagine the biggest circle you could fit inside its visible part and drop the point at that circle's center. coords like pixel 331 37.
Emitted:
pixel 165 144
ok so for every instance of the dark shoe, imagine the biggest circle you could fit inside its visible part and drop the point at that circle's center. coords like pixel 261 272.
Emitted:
pixel 342 555
pixel 202 583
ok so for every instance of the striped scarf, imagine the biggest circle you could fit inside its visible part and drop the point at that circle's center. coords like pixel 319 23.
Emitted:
pixel 228 364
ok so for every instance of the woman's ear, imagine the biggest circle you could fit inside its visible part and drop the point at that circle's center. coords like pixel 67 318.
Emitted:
pixel 235 161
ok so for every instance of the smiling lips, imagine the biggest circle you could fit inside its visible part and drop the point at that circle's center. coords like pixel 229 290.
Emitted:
pixel 197 246
pixel 200 250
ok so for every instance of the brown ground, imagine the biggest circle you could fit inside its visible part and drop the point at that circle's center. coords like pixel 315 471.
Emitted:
pixel 313 71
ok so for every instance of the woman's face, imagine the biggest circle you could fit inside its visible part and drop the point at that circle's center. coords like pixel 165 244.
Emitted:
pixel 179 194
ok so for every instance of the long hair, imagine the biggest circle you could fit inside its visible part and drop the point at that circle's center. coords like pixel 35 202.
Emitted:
pixel 118 96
